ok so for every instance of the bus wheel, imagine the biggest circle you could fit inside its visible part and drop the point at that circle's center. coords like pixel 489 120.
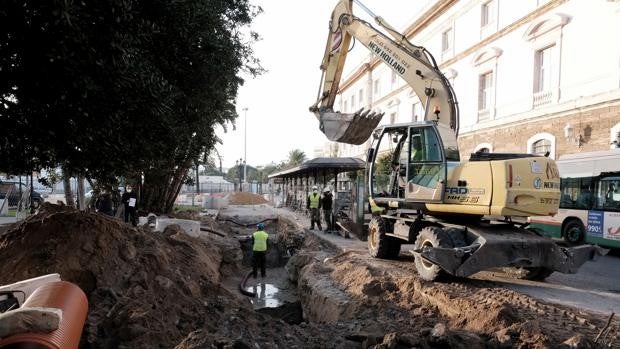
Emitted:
pixel 573 232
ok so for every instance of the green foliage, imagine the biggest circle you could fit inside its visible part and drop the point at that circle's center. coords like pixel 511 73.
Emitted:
pixel 296 157
pixel 383 171
pixel 119 88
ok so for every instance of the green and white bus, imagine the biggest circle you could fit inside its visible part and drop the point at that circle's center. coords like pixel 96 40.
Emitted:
pixel 590 202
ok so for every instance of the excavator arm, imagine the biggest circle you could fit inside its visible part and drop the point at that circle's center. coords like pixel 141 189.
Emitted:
pixel 412 63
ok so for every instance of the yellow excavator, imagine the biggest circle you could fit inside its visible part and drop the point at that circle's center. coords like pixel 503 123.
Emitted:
pixel 458 214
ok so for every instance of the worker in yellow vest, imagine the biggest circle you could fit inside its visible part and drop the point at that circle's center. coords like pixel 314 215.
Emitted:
pixel 314 205
pixel 259 250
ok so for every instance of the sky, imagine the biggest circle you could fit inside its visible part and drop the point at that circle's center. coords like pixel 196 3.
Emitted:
pixel 294 34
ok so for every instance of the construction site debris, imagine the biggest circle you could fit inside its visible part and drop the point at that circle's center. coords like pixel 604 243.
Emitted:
pixel 245 198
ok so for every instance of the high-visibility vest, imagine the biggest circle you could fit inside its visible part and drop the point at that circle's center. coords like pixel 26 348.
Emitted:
pixel 314 200
pixel 260 241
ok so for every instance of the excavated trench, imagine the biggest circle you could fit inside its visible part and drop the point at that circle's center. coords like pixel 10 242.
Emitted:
pixel 273 294
pixel 369 301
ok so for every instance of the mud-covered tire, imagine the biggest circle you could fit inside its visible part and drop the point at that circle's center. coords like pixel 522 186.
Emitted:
pixel 529 273
pixel 573 232
pixel 379 244
pixel 430 237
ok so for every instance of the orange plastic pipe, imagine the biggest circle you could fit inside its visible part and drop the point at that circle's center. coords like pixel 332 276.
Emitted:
pixel 74 305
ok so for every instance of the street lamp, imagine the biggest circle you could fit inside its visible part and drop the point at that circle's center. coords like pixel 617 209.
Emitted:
pixel 239 163
pixel 245 143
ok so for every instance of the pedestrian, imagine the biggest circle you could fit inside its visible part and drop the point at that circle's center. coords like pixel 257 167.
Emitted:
pixel 129 200
pixel 104 204
pixel 259 250
pixel 313 203
pixel 326 203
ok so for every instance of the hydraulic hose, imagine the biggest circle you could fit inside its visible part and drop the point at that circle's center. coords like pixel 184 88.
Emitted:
pixel 242 286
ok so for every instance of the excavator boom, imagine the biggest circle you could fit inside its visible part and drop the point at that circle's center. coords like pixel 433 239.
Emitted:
pixel 412 63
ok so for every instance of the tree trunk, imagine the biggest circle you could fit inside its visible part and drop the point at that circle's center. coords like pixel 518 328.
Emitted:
pixel 81 193
pixel 162 186
pixel 66 180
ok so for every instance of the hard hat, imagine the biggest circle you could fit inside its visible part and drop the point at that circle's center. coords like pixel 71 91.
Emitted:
pixel 326 190
pixel 314 187
pixel 260 226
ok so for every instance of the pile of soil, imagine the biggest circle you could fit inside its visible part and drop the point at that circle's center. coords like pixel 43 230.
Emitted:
pixel 145 289
pixel 387 300
pixel 245 198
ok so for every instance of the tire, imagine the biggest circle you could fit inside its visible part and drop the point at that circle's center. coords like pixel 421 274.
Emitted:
pixel 529 273
pixel 430 237
pixel 379 244
pixel 573 232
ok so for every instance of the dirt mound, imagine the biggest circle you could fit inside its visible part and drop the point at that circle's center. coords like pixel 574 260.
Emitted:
pixel 388 300
pixel 245 198
pixel 145 289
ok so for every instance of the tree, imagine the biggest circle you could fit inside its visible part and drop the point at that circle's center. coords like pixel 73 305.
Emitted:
pixel 296 157
pixel 120 88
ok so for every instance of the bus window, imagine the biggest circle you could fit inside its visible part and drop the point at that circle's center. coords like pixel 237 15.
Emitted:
pixel 577 193
pixel 609 194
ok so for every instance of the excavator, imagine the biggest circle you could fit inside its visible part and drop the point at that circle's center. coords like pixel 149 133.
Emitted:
pixel 461 216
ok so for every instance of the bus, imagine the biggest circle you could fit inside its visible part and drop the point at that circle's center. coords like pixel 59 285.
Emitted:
pixel 590 202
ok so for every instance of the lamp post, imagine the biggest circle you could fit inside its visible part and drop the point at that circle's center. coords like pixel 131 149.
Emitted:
pixel 239 162
pixel 245 144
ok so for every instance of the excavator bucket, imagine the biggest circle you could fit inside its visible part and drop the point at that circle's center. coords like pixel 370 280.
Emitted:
pixel 347 127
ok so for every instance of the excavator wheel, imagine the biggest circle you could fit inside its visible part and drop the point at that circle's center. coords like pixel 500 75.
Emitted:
pixel 379 244
pixel 430 237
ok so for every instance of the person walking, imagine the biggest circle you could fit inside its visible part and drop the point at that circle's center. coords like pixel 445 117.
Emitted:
pixel 314 205
pixel 259 250
pixel 130 200
pixel 326 203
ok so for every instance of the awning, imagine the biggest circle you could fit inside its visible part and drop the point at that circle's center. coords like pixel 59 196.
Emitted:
pixel 318 166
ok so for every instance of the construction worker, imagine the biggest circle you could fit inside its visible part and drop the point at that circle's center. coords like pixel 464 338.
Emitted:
pixel 259 250
pixel 326 204
pixel 314 205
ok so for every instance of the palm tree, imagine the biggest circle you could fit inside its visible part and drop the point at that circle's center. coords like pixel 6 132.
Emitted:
pixel 296 157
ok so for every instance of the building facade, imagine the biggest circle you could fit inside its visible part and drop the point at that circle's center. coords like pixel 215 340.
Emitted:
pixel 531 76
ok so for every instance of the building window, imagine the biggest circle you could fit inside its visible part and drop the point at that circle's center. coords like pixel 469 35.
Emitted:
pixel 393 118
pixel 446 40
pixel 416 112
pixel 352 103
pixel 345 107
pixel 541 147
pixel 394 76
pixel 485 87
pixel 376 87
pixel 543 69
pixel 487 14
pixel 541 143
pixel 360 98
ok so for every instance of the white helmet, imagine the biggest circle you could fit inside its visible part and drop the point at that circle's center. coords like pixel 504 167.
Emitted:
pixel 326 190
pixel 314 187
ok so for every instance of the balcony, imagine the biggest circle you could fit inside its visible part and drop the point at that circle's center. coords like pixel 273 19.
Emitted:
pixel 543 98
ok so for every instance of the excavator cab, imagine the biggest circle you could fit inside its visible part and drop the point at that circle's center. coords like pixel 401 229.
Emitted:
pixel 410 162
